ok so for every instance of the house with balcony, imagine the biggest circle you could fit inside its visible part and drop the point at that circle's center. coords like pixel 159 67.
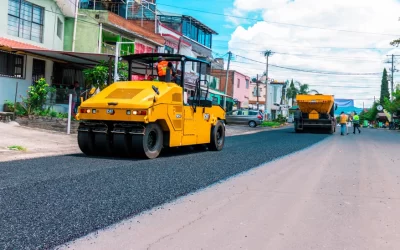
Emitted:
pixel 276 103
pixel 257 95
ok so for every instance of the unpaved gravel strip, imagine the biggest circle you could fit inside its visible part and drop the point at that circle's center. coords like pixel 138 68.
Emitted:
pixel 343 193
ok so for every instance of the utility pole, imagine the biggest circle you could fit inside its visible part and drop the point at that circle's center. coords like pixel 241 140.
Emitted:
pixel 391 87
pixel 226 78
pixel 392 81
pixel 267 53
pixel 258 93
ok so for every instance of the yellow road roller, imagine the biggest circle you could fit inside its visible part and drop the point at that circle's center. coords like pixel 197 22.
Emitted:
pixel 139 118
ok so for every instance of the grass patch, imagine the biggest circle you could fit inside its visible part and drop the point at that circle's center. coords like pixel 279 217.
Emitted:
pixel 17 148
pixel 270 124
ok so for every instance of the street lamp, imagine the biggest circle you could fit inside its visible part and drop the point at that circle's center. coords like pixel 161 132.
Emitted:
pixel 116 59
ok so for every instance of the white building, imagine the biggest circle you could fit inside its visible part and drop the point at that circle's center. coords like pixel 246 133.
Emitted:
pixel 37 24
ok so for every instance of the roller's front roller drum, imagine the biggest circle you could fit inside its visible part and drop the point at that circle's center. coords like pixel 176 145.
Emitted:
pixel 150 144
pixel 217 139
pixel 86 142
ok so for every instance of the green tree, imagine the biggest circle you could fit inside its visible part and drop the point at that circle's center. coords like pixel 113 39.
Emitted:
pixel 384 87
pixel 98 75
pixel 370 115
pixel 291 92
pixel 393 106
pixel 213 84
pixel 303 88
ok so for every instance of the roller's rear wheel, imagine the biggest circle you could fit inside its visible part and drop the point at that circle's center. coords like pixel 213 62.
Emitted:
pixel 86 142
pixel 103 144
pixel 217 139
pixel 150 144
pixel 122 145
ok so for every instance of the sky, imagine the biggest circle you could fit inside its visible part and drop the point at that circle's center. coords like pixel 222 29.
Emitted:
pixel 343 43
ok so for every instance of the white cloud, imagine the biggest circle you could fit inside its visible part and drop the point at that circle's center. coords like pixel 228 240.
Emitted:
pixel 312 48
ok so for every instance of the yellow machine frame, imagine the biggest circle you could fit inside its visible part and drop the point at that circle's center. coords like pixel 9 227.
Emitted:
pixel 119 118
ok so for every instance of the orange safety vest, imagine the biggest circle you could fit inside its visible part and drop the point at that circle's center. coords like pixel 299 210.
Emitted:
pixel 343 119
pixel 162 68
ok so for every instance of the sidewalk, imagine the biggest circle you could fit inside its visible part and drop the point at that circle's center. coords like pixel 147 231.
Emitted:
pixel 40 142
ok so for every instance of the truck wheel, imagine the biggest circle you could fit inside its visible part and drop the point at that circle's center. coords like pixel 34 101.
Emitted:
pixel 150 144
pixel 217 139
pixel 252 124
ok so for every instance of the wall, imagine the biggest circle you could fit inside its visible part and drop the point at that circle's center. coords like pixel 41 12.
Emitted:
pixel 51 13
pixel 241 92
pixel 261 89
pixel 87 31
pixel 221 74
pixel 8 85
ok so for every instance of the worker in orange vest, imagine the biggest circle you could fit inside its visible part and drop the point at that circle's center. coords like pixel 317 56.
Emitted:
pixel 343 123
pixel 162 68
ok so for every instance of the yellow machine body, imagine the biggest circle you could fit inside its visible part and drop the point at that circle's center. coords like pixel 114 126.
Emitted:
pixel 321 104
pixel 315 112
pixel 136 101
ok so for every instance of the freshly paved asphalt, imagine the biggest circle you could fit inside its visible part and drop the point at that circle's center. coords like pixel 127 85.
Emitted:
pixel 45 202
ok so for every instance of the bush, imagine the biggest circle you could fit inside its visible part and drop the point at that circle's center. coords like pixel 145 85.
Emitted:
pixel 280 119
pixel 37 97
pixel 270 124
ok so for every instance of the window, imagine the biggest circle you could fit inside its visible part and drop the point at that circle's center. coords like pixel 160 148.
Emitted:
pixel 25 20
pixel 59 28
pixel 238 83
pixel 275 97
pixel 11 65
pixel 168 50
pixel 247 83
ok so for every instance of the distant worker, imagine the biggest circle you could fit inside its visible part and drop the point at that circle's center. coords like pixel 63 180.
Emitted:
pixel 343 123
pixel 356 123
pixel 162 68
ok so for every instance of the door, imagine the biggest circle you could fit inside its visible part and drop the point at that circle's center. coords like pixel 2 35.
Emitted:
pixel 189 127
pixel 38 70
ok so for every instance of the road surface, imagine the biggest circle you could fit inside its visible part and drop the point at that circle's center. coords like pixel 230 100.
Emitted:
pixel 45 202
pixel 343 193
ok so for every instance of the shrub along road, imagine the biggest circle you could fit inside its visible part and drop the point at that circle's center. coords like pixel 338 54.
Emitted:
pixel 45 202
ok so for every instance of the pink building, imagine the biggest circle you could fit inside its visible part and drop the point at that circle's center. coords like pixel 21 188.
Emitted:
pixel 241 87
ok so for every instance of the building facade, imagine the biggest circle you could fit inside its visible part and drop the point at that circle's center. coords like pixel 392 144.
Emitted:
pixel 238 87
pixel 254 91
pixel 34 24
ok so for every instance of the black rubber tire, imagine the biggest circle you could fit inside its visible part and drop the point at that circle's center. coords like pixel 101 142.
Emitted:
pixel 122 145
pixel 86 142
pixel 252 124
pixel 103 144
pixel 217 139
pixel 140 143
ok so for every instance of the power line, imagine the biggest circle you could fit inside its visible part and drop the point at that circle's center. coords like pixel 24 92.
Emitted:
pixel 311 47
pixel 310 71
pixel 279 23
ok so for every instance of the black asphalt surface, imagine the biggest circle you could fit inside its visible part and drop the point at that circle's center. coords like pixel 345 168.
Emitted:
pixel 46 202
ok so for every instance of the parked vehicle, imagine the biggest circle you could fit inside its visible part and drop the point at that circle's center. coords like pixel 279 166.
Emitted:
pixel 253 118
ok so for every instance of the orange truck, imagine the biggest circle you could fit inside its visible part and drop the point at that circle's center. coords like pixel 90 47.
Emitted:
pixel 315 112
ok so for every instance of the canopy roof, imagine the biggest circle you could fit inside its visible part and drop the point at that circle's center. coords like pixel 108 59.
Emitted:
pixel 153 58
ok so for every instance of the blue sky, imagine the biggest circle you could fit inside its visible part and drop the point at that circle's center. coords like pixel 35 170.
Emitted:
pixel 355 51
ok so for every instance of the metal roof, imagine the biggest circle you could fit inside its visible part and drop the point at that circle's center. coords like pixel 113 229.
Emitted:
pixel 71 57
pixel 153 58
